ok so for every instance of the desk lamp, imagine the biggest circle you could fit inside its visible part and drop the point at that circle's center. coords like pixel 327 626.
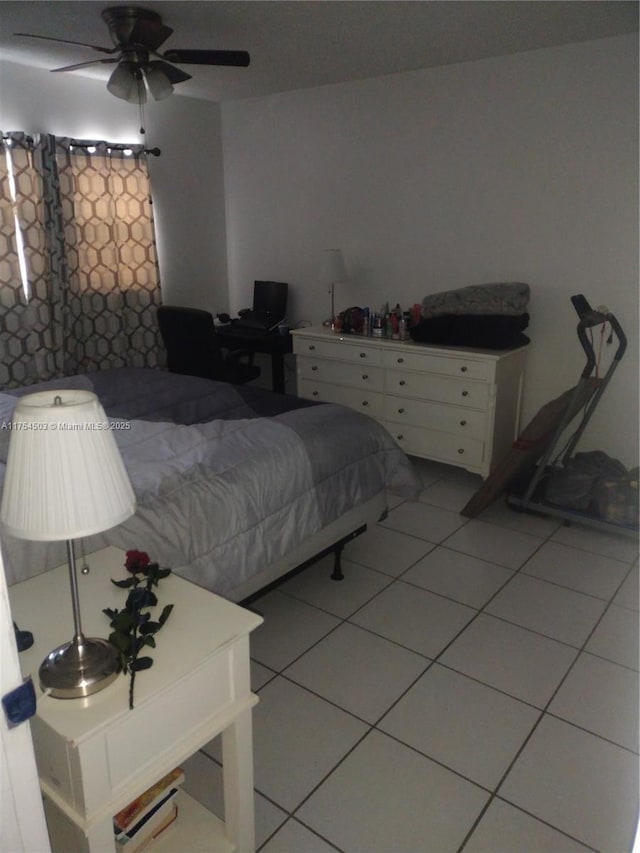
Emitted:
pixel 65 479
pixel 334 272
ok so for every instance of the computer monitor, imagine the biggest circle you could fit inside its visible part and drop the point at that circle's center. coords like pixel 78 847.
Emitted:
pixel 270 297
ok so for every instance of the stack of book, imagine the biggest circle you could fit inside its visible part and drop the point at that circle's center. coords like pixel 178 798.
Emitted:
pixel 149 815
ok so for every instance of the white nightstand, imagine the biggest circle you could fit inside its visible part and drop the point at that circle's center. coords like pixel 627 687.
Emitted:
pixel 94 755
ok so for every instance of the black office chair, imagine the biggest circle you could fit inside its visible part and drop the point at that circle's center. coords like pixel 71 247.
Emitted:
pixel 193 348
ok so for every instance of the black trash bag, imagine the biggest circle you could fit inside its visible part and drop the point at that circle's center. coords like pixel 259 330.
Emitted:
pixel 595 483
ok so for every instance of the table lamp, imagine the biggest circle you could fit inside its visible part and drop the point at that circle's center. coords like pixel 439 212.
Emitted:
pixel 65 479
pixel 334 272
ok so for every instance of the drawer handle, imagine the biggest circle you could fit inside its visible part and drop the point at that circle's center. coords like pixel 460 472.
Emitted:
pixel 315 393
pixel 314 368
pixel 400 360
pixel 365 402
pixel 312 346
pixel 402 382
pixel 463 369
pixel 400 437
pixel 365 375
pixel 460 450
pixel 463 423
pixel 465 393
pixel 400 411
pixel 363 355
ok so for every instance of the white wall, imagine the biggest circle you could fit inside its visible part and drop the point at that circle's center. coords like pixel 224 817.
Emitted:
pixel 187 178
pixel 518 168
pixel 188 193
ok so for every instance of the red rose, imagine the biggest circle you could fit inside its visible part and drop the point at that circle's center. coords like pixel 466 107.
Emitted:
pixel 136 561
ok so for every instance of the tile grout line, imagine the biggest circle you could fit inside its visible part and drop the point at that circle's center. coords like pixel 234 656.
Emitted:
pixel 374 726
pixel 544 712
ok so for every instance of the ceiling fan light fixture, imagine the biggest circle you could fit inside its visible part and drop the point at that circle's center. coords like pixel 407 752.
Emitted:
pixel 122 82
pixel 157 83
pixel 137 34
pixel 127 83
pixel 139 92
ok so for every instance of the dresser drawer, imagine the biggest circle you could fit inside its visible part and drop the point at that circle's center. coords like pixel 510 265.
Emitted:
pixel 428 415
pixel 426 362
pixel 447 447
pixel 362 376
pixel 429 386
pixel 361 353
pixel 369 403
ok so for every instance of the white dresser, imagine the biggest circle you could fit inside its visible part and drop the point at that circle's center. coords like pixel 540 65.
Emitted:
pixel 454 405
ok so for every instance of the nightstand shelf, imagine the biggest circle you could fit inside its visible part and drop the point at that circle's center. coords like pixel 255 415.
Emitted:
pixel 196 830
pixel 94 755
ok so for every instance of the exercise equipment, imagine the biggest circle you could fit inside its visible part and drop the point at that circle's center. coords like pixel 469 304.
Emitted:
pixel 530 466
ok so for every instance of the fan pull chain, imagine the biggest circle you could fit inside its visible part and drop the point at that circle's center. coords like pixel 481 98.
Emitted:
pixel 141 100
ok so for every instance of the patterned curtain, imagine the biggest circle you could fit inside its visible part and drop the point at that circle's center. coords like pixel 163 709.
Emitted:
pixel 79 284
pixel 28 347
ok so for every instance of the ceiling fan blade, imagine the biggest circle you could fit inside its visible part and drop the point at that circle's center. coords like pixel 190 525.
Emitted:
pixel 131 25
pixel 85 64
pixel 239 58
pixel 173 75
pixel 150 34
pixel 68 41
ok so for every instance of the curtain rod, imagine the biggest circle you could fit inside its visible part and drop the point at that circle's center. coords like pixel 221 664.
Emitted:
pixel 83 144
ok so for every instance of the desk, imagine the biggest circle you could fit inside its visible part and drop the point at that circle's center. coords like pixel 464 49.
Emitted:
pixel 94 755
pixel 271 343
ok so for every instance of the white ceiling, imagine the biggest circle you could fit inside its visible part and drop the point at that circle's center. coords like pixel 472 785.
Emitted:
pixel 299 44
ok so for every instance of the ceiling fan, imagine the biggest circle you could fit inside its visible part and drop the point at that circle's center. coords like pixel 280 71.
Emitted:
pixel 137 35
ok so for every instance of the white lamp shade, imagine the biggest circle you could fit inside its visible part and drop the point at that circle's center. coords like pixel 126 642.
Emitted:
pixel 334 268
pixel 65 478
pixel 122 82
pixel 127 83
pixel 158 83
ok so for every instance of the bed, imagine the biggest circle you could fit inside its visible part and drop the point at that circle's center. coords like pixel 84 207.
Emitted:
pixel 235 486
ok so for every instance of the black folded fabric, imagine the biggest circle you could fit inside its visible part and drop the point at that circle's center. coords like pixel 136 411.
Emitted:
pixel 493 331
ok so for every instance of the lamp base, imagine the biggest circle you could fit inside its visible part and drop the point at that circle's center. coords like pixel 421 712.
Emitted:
pixel 79 668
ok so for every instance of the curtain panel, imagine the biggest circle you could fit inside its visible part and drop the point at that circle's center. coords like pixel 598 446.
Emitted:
pixel 79 283
pixel 28 330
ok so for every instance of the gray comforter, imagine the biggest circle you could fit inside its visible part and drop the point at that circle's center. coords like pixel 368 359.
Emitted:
pixel 228 479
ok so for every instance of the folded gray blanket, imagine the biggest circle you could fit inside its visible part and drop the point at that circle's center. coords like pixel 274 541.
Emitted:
pixel 509 298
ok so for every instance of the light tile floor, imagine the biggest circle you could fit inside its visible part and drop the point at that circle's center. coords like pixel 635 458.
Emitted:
pixel 472 685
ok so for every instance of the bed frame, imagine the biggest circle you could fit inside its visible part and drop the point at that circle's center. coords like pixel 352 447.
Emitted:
pixel 330 539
